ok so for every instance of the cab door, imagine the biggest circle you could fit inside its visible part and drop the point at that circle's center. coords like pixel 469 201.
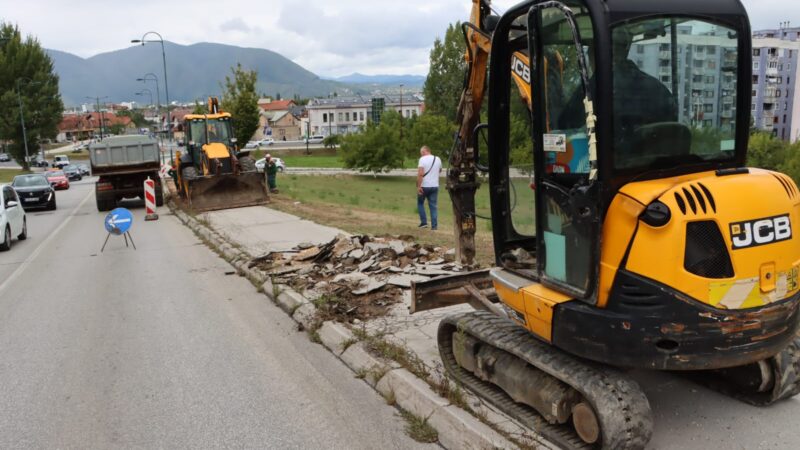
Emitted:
pixel 14 213
pixel 567 216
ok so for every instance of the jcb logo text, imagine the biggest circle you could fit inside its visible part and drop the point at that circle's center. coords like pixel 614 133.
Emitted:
pixel 761 231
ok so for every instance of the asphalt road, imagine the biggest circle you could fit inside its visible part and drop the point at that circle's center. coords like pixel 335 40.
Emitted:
pixel 159 348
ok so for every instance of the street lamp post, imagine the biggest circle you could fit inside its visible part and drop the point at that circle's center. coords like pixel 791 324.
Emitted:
pixel 143 41
pixel 152 77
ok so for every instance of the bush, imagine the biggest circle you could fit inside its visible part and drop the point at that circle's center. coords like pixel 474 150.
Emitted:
pixel 332 141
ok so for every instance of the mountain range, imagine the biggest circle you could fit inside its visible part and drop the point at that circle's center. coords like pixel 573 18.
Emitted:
pixel 195 72
pixel 406 80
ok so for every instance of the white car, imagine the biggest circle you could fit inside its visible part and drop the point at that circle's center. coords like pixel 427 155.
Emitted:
pixel 263 162
pixel 317 139
pixel 13 222
pixel 251 144
pixel 266 141
pixel 61 161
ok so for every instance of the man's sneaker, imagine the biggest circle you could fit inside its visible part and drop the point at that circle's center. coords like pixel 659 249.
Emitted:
pixel 423 225
pixel 434 228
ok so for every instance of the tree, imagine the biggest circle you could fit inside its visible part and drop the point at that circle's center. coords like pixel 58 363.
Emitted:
pixel 375 149
pixel 433 130
pixel 25 64
pixel 116 129
pixel 136 116
pixel 332 141
pixel 241 100
pixel 765 151
pixel 199 108
pixel 446 74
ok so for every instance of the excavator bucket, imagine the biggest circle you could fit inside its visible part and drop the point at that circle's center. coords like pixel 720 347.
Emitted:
pixel 215 192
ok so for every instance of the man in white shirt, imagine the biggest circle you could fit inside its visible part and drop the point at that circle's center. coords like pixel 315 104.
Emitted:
pixel 428 171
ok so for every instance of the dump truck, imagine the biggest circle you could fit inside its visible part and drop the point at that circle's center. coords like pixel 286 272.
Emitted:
pixel 122 164
pixel 653 245
pixel 212 171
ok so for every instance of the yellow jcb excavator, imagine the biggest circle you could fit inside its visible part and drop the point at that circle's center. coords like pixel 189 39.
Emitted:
pixel 212 172
pixel 653 246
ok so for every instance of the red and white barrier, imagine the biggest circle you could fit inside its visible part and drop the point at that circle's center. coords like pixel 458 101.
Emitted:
pixel 150 199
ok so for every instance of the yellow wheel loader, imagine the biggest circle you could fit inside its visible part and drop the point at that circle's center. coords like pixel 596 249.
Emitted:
pixel 647 242
pixel 212 173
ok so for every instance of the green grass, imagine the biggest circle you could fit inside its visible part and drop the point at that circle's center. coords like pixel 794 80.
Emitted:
pixel 329 161
pixel 6 175
pixel 396 196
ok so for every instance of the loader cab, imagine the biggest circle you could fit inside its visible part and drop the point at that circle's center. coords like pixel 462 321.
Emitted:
pixel 204 129
pixel 622 91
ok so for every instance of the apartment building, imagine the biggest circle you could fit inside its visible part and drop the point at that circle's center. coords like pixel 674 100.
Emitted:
pixel 776 82
pixel 343 115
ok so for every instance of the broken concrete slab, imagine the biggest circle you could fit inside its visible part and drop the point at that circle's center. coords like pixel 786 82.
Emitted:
pixel 367 264
pixel 356 254
pixel 352 277
pixel 372 286
pixel 399 247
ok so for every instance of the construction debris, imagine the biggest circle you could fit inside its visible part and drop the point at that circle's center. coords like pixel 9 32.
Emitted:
pixel 359 276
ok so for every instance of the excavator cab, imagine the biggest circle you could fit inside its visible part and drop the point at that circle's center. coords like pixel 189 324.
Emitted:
pixel 652 245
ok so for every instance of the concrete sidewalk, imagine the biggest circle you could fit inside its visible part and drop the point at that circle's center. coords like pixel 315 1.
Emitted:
pixel 258 230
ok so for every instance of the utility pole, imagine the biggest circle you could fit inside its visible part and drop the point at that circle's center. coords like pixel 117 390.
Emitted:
pixel 308 134
pixel 22 115
pixel 22 121
pixel 97 108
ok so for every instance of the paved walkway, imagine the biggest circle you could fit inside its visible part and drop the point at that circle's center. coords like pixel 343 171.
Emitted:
pixel 259 230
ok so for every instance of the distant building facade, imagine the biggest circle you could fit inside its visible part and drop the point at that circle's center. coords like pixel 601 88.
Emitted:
pixel 344 115
pixel 775 104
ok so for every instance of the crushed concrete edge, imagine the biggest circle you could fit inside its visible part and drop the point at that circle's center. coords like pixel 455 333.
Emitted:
pixel 457 428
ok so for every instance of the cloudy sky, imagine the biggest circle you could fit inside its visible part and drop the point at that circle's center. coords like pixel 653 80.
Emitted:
pixel 328 37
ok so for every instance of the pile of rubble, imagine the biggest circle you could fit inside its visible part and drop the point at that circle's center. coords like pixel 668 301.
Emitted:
pixel 365 275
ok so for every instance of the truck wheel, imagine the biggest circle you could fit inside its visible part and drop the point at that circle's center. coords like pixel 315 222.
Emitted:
pixel 105 204
pixel 247 164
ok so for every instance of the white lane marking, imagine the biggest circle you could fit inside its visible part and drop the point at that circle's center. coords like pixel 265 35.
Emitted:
pixel 41 246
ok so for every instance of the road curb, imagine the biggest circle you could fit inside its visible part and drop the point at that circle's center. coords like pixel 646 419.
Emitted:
pixel 457 428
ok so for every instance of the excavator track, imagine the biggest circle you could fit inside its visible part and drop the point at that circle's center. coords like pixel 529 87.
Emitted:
pixel 621 407
pixel 759 384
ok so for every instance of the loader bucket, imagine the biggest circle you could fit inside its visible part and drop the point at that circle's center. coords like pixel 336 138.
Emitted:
pixel 227 191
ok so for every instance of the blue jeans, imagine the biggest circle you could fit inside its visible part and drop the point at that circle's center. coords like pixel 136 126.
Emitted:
pixel 432 194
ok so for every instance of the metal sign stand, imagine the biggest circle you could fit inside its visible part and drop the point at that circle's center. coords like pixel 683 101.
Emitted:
pixel 126 235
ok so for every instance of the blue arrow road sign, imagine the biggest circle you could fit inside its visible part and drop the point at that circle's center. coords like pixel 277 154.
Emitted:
pixel 119 221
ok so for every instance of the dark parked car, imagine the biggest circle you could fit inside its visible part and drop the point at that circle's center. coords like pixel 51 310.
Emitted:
pixel 37 161
pixel 73 172
pixel 34 191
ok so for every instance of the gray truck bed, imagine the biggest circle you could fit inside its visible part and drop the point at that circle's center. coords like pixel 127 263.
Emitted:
pixel 124 154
